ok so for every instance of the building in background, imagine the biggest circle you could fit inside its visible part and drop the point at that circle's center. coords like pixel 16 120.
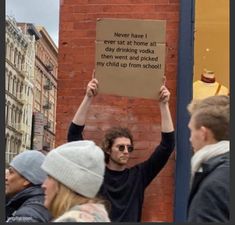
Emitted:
pixel 45 92
pixel 23 44
pixel 20 60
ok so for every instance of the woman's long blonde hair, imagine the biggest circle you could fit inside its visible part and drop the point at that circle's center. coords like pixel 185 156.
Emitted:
pixel 65 199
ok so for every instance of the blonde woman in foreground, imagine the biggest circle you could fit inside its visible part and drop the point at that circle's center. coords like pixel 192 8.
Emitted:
pixel 75 173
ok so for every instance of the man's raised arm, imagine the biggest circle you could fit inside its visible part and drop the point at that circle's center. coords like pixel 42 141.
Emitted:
pixel 81 114
pixel 166 119
pixel 78 122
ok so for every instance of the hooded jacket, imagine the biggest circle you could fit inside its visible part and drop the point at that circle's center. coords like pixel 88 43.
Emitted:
pixel 27 206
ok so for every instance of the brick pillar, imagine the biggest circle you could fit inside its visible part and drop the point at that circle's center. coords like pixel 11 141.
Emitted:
pixel 76 62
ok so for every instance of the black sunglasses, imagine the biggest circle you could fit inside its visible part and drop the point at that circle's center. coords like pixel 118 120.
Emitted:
pixel 121 148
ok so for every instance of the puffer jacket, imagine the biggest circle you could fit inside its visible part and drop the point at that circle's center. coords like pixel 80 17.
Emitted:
pixel 89 212
pixel 27 206
pixel 210 193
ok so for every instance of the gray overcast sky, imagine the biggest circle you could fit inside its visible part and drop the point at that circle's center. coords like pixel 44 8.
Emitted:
pixel 38 12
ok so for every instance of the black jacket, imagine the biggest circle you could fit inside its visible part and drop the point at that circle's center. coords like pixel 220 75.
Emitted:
pixel 209 196
pixel 125 189
pixel 27 206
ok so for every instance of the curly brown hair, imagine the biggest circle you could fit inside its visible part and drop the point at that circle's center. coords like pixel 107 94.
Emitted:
pixel 111 135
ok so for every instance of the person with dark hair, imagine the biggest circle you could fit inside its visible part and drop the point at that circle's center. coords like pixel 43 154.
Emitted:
pixel 24 194
pixel 210 165
pixel 111 135
pixel 124 187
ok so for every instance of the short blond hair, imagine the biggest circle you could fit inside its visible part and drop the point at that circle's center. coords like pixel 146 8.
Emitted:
pixel 214 113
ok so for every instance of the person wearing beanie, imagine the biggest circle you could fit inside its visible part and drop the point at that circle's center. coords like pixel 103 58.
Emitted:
pixel 75 174
pixel 23 190
pixel 124 187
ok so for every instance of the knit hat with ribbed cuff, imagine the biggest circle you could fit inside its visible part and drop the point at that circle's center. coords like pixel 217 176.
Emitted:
pixel 28 164
pixel 79 165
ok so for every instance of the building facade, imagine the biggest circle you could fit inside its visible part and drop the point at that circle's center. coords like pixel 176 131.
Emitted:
pixel 20 60
pixel 45 96
pixel 31 71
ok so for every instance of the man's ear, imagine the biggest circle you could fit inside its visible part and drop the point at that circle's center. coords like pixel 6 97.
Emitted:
pixel 26 183
pixel 207 134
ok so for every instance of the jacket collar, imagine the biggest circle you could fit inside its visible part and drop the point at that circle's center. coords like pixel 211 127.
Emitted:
pixel 207 168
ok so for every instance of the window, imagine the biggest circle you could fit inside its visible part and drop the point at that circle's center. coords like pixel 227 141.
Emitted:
pixel 211 48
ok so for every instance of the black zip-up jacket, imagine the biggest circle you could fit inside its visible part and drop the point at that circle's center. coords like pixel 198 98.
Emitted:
pixel 125 189
pixel 27 206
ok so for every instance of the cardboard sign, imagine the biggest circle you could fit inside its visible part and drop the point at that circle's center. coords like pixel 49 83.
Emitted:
pixel 130 57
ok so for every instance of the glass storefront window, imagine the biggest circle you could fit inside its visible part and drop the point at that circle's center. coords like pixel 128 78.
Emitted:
pixel 211 48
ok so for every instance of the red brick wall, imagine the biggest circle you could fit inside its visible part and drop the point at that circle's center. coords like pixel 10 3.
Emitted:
pixel 76 62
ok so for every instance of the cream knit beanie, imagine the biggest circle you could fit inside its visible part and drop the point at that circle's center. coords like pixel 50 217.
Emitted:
pixel 79 165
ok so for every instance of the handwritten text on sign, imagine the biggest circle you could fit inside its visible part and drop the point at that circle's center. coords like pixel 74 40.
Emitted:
pixel 139 52
pixel 130 53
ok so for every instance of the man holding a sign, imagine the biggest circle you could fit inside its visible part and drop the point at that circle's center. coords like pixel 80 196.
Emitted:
pixel 124 187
